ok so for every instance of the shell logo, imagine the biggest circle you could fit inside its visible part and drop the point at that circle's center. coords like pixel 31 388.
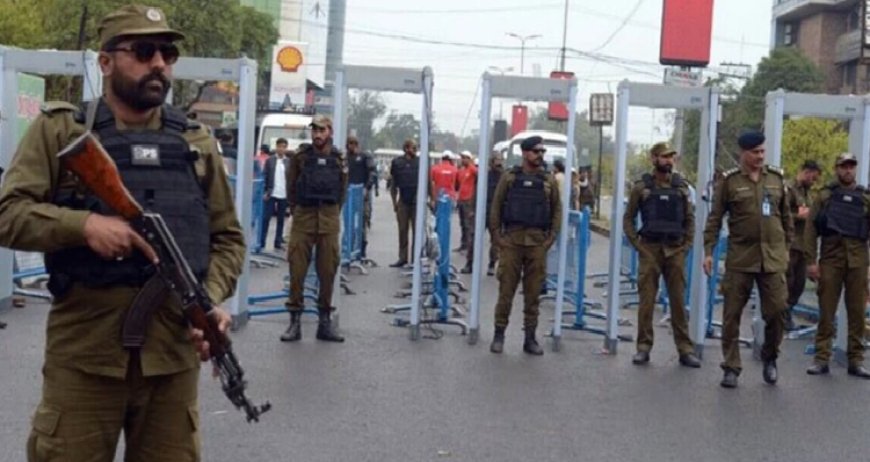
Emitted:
pixel 289 58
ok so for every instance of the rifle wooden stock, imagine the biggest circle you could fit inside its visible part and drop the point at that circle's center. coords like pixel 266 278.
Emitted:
pixel 87 158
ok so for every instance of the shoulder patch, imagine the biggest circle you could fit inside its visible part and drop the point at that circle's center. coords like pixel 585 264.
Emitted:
pixel 731 172
pixel 52 107
pixel 775 169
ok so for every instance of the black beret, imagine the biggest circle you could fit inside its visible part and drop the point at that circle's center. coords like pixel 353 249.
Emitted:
pixel 750 140
pixel 529 143
pixel 811 165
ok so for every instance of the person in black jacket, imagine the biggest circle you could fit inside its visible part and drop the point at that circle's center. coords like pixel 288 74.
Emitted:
pixel 275 193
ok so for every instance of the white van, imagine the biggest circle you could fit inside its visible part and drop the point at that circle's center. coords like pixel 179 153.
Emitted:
pixel 556 144
pixel 292 127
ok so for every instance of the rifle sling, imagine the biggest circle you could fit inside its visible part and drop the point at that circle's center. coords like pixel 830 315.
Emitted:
pixel 147 300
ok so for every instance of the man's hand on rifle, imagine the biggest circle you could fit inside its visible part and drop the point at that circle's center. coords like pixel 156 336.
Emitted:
pixel 113 238
pixel 224 320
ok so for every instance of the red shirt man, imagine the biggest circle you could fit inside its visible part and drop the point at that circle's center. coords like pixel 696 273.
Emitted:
pixel 443 176
pixel 467 177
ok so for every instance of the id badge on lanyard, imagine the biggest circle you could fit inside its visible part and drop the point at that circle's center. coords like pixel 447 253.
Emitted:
pixel 766 206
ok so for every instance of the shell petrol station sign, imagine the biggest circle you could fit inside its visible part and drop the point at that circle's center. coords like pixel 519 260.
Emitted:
pixel 288 83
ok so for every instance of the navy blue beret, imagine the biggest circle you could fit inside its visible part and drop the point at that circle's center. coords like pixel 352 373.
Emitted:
pixel 750 140
pixel 529 143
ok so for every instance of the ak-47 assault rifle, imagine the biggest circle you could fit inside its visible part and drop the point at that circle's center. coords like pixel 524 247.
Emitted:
pixel 86 158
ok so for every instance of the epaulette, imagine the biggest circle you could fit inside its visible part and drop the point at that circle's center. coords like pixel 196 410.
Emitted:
pixel 52 107
pixel 731 172
pixel 775 169
pixel 193 125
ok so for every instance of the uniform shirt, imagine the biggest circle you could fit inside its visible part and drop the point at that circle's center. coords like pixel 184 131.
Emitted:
pixel 279 191
pixel 443 177
pixel 84 326
pixel 322 219
pixel 798 196
pixel 520 236
pixel 756 243
pixel 637 195
pixel 467 179
pixel 836 251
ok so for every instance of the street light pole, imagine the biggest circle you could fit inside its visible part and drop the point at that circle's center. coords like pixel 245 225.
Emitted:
pixel 523 39
pixel 564 38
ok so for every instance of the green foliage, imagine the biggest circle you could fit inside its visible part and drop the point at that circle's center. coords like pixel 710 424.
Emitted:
pixel 213 29
pixel 363 109
pixel 813 139
pixel 743 108
pixel 397 128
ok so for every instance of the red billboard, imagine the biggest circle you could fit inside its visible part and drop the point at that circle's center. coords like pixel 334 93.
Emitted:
pixel 687 27
pixel 558 110
pixel 519 119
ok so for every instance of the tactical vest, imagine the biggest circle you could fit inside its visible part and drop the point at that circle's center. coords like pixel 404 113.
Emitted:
pixel 405 178
pixel 157 167
pixel 358 169
pixel 527 204
pixel 663 211
pixel 491 183
pixel 844 214
pixel 319 182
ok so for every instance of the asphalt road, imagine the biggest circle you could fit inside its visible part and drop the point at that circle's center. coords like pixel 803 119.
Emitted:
pixel 381 397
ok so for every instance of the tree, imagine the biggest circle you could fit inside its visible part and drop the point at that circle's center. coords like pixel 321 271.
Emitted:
pixel 812 139
pixel 397 129
pixel 365 107
pixel 743 108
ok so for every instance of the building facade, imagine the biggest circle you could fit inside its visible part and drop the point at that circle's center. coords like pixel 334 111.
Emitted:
pixel 831 33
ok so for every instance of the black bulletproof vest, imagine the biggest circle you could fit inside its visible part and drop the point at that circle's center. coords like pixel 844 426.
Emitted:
pixel 527 204
pixel 663 211
pixel 405 178
pixel 358 169
pixel 844 213
pixel 491 182
pixel 319 182
pixel 157 167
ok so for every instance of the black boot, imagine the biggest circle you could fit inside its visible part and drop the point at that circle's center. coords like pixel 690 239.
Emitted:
pixel 769 373
pixel 324 328
pixel 788 321
pixel 294 332
pixel 490 270
pixel 497 345
pixel 530 345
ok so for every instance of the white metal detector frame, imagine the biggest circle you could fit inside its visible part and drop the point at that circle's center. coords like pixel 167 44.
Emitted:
pixel 43 62
pixel 244 72
pixel 856 110
pixel 648 95
pixel 527 89
pixel 395 80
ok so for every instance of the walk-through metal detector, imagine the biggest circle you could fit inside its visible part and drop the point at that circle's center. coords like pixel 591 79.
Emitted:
pixel 43 62
pixel 244 72
pixel 526 89
pixel 658 96
pixel 396 80
pixel 855 110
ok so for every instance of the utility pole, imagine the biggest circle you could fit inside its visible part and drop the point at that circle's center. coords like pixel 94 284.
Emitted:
pixel 564 38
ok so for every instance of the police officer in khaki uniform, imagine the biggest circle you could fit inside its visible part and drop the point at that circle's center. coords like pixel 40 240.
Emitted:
pixel 403 190
pixel 316 187
pixel 760 232
pixel 526 214
pixel 841 217
pixel 93 387
pixel 799 200
pixel 662 198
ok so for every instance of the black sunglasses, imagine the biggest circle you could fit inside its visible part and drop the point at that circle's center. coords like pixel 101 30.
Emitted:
pixel 145 51
pixel 539 151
